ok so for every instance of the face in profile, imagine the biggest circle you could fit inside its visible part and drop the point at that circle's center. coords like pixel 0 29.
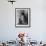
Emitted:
pixel 21 19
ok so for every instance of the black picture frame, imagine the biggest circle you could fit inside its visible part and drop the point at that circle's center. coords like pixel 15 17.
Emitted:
pixel 26 11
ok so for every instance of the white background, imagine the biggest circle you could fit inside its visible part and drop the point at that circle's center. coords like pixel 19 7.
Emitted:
pixel 8 31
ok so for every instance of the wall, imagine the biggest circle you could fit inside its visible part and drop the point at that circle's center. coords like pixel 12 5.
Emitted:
pixel 8 31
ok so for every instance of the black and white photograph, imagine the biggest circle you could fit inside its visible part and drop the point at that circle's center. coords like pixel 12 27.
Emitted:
pixel 22 17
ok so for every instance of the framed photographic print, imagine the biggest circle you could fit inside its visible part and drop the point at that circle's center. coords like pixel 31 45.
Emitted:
pixel 22 17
